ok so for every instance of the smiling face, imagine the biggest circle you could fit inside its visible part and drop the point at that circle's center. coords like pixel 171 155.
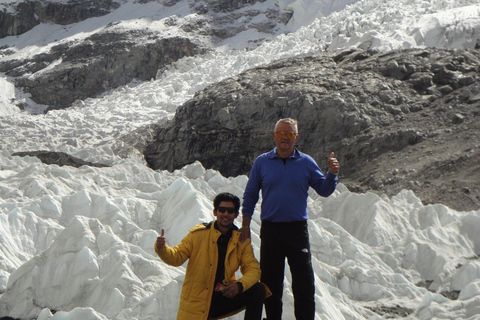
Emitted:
pixel 285 144
pixel 226 214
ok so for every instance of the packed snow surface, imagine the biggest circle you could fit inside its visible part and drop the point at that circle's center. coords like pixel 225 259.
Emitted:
pixel 77 243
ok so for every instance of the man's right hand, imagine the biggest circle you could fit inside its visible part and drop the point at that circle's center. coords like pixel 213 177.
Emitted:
pixel 160 243
pixel 245 230
pixel 244 234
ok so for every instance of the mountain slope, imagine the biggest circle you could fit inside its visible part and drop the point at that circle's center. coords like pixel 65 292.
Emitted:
pixel 396 120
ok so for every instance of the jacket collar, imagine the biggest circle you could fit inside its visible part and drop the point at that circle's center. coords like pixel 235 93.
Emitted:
pixel 273 154
pixel 208 225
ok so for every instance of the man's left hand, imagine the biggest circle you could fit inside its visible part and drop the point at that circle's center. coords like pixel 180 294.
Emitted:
pixel 333 164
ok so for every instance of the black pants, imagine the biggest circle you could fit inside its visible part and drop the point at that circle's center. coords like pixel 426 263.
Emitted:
pixel 290 240
pixel 251 299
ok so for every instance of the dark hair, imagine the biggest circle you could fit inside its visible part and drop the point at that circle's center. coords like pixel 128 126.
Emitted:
pixel 226 196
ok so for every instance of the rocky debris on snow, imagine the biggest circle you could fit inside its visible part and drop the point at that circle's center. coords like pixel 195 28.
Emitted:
pixel 452 295
pixel 391 312
pixel 58 158
pixel 396 120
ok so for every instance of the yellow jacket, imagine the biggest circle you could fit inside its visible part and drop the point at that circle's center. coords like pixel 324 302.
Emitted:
pixel 200 247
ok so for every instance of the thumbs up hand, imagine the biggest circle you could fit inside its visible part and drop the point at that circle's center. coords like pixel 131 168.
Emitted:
pixel 160 243
pixel 333 164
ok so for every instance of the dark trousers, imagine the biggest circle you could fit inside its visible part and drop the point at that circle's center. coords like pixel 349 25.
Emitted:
pixel 290 240
pixel 251 299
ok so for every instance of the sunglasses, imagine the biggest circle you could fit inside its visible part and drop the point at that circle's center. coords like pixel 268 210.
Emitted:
pixel 223 209
pixel 285 134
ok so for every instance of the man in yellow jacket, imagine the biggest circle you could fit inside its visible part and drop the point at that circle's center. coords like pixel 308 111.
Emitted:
pixel 210 289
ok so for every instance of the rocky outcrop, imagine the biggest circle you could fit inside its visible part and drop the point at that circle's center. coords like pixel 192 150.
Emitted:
pixel 101 62
pixel 402 119
pixel 17 18
pixel 16 22
pixel 224 5
pixel 79 69
pixel 114 56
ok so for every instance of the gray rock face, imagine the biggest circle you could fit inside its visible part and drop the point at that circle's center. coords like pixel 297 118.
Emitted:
pixel 82 69
pixel 14 23
pixel 404 119
pixel 112 57
pixel 20 17
pixel 99 63
pixel 224 5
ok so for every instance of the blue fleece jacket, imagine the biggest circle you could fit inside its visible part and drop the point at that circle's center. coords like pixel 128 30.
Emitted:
pixel 285 186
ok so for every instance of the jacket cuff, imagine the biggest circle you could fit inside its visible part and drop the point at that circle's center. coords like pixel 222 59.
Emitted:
pixel 332 176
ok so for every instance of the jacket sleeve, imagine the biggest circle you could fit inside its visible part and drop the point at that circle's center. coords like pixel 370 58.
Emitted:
pixel 249 266
pixel 176 256
pixel 251 193
pixel 324 186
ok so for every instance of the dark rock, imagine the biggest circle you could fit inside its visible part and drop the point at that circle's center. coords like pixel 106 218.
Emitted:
pixel 72 11
pixel 58 158
pixel 347 103
pixel 458 118
pixel 474 99
pixel 19 22
pixel 421 82
pixel 23 16
pixel 112 57
pixel 100 63
pixel 452 295
pixel 391 311
pixel 228 5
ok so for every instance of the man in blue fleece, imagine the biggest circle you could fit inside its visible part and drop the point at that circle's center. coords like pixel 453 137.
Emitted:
pixel 284 175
